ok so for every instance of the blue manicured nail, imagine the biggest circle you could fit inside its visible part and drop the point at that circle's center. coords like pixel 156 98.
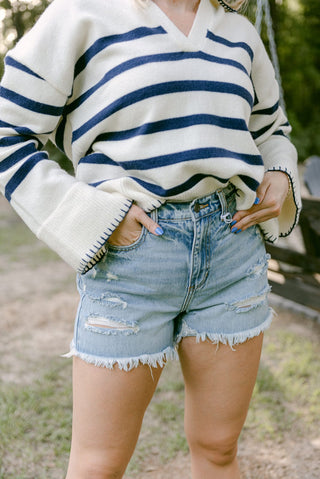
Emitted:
pixel 233 223
pixel 257 201
pixel 159 231
pixel 234 230
pixel 239 231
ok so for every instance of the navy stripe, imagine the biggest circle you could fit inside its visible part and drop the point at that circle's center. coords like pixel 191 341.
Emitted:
pixel 175 124
pixel 22 130
pixel 14 63
pixel 28 104
pixel 190 155
pixel 279 133
pixel 176 190
pixel 158 190
pixel 266 111
pixel 256 100
pixel 98 159
pixel 97 183
pixel 162 89
pixel 22 172
pixel 15 157
pixel 139 61
pixel 105 42
pixel 59 137
pixel 250 182
pixel 12 140
pixel 228 43
pixel 173 158
pixel 258 133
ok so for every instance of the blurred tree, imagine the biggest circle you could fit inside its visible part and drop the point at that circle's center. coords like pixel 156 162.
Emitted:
pixel 17 17
pixel 299 49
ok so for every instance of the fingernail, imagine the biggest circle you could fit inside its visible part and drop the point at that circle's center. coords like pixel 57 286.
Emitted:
pixel 159 231
pixel 233 223
pixel 239 231
pixel 234 230
pixel 257 201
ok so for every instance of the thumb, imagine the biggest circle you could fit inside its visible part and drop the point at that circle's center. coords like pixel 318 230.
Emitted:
pixel 149 223
pixel 262 189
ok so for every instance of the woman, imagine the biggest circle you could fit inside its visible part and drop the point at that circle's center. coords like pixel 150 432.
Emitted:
pixel 169 111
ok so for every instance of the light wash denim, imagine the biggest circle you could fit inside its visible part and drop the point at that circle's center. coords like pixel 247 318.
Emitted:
pixel 197 279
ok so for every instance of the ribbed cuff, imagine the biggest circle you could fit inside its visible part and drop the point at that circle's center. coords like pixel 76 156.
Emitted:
pixel 80 226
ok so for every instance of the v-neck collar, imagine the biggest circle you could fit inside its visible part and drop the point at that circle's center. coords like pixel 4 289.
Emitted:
pixel 205 16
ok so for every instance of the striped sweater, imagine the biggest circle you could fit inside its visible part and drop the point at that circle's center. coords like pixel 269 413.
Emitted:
pixel 145 113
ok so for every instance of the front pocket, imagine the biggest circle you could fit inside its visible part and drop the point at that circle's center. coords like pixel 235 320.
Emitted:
pixel 135 244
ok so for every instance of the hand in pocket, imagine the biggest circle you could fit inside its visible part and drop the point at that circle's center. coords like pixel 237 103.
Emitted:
pixel 129 230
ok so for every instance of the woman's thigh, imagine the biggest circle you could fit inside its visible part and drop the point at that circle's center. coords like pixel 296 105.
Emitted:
pixel 219 381
pixel 108 408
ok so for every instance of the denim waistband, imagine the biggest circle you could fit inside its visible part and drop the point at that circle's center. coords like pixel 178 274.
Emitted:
pixel 198 207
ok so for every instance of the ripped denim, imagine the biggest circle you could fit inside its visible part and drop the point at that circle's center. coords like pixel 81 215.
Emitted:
pixel 197 279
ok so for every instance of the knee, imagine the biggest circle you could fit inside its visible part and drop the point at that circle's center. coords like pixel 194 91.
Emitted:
pixel 94 468
pixel 218 450
pixel 222 453
pixel 94 472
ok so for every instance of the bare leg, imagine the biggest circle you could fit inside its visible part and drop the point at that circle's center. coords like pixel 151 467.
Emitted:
pixel 219 384
pixel 108 408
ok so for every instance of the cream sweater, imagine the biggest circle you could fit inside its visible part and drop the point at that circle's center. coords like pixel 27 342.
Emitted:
pixel 145 113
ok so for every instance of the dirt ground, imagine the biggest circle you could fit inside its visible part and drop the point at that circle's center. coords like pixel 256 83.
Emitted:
pixel 37 307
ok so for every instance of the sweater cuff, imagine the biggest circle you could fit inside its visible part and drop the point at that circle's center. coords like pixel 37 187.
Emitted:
pixel 80 226
pixel 289 216
pixel 280 155
pixel 291 207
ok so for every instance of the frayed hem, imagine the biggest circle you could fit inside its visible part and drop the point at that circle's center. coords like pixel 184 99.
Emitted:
pixel 227 339
pixel 126 364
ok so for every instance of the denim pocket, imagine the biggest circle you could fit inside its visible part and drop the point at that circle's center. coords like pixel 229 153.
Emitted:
pixel 255 230
pixel 135 244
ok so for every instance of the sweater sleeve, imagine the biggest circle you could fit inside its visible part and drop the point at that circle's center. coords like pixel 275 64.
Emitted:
pixel 270 128
pixel 73 218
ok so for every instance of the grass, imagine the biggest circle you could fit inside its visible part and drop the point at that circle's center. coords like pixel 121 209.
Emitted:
pixel 35 426
pixel 287 393
pixel 35 419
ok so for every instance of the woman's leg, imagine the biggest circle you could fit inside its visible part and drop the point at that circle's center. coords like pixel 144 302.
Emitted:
pixel 108 408
pixel 219 383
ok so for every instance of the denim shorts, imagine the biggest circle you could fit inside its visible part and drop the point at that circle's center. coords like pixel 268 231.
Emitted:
pixel 197 279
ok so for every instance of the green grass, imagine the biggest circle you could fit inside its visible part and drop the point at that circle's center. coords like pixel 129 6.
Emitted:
pixel 35 420
pixel 35 425
pixel 287 392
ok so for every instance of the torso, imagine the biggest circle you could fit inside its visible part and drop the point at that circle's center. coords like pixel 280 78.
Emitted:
pixel 157 113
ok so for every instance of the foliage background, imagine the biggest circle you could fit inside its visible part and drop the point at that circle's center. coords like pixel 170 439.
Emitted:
pixel 296 25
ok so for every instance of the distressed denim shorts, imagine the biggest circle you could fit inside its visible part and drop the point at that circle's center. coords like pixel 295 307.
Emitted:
pixel 197 279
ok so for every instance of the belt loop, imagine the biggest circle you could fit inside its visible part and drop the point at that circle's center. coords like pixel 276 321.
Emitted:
pixel 154 215
pixel 225 215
